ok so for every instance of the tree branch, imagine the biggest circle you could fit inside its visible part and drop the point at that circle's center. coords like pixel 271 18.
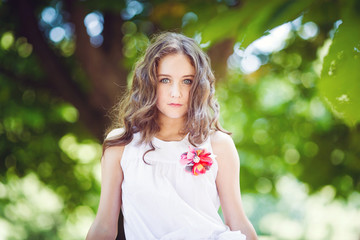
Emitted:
pixel 219 53
pixel 113 37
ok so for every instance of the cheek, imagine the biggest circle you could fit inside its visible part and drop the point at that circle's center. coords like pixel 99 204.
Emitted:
pixel 158 102
pixel 158 94
pixel 160 99
pixel 187 95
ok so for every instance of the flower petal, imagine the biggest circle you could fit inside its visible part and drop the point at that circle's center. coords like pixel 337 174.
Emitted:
pixel 207 166
pixel 199 151
pixel 191 153
pixel 207 161
pixel 198 169
pixel 197 160
pixel 205 154
pixel 189 168
pixel 183 158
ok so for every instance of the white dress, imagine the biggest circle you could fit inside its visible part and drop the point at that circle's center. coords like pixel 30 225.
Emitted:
pixel 161 200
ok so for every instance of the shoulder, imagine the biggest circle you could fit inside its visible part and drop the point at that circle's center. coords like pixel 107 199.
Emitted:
pixel 220 139
pixel 224 148
pixel 113 154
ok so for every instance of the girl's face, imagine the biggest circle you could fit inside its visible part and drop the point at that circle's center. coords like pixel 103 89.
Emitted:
pixel 175 75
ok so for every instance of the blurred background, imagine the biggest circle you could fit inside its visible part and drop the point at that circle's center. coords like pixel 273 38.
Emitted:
pixel 288 82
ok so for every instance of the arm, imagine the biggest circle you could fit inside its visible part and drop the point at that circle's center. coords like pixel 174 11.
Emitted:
pixel 227 182
pixel 106 221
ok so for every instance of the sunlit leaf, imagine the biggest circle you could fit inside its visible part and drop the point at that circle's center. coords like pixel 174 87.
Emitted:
pixel 339 84
pixel 251 20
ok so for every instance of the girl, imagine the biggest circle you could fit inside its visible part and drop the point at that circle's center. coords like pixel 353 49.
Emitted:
pixel 168 164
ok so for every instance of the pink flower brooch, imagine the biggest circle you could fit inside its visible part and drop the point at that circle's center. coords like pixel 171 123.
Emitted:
pixel 197 160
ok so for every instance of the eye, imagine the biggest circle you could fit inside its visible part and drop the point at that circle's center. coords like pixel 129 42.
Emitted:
pixel 164 80
pixel 188 81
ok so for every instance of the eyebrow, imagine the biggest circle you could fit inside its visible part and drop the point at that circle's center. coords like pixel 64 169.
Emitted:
pixel 167 75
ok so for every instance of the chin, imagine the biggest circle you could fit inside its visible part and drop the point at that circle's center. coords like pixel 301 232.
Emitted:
pixel 174 116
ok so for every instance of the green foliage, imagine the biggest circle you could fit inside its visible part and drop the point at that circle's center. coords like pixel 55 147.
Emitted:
pixel 42 174
pixel 49 172
pixel 339 83
pixel 247 22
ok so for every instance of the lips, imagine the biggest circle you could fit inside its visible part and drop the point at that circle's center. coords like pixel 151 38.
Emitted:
pixel 175 104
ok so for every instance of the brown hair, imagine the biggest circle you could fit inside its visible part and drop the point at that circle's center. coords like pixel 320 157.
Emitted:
pixel 137 111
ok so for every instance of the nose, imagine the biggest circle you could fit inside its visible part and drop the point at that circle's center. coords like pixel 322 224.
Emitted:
pixel 175 91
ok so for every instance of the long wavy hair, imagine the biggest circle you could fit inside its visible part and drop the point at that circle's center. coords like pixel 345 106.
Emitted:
pixel 137 111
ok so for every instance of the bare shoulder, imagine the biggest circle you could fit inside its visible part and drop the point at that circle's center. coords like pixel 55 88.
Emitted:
pixel 113 154
pixel 220 139
pixel 224 148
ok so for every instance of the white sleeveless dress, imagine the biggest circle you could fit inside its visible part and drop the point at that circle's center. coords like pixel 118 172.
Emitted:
pixel 161 200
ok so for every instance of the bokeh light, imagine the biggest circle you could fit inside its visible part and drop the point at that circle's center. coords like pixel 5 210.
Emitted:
pixel 248 60
pixel 7 40
pixel 57 34
pixel 49 15
pixel 298 158
pixel 308 30
pixel 133 8
pixel 94 27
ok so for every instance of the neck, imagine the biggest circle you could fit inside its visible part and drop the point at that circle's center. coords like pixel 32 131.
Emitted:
pixel 170 129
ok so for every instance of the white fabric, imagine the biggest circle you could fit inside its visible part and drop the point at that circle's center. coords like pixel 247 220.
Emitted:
pixel 163 201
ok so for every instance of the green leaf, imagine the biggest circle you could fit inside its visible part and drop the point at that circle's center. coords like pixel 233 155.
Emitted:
pixel 340 78
pixel 267 15
pixel 250 21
